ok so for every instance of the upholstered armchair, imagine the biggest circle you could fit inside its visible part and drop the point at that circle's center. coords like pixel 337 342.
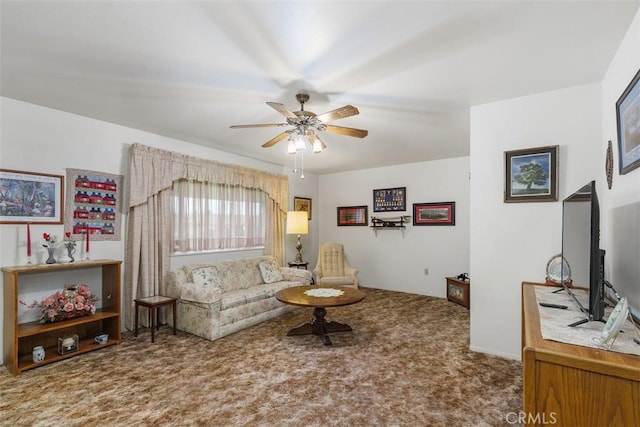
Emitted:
pixel 333 268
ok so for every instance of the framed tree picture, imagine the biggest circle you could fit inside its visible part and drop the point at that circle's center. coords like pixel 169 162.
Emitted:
pixel 531 175
pixel 31 197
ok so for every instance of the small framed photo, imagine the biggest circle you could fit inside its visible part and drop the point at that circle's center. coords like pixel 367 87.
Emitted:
pixel 68 344
pixel 628 118
pixel 28 197
pixel 353 215
pixel 443 213
pixel 390 199
pixel 302 204
pixel 531 175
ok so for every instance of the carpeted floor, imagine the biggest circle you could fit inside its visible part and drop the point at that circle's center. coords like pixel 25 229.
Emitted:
pixel 407 363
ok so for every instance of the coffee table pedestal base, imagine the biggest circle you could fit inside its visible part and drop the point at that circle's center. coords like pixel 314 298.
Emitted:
pixel 320 327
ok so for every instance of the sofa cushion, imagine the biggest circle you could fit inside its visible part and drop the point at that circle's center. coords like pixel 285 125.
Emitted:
pixel 270 271
pixel 246 296
pixel 206 276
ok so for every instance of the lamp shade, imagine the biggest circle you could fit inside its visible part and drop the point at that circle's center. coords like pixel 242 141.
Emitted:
pixel 297 222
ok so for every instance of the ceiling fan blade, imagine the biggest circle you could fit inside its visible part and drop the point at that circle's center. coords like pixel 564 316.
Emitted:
pixel 276 139
pixel 339 113
pixel 282 109
pixel 358 133
pixel 262 125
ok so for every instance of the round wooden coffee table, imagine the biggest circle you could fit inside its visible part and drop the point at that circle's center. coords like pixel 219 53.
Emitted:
pixel 320 297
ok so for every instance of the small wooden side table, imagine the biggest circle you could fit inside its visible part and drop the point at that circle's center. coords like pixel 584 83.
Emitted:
pixel 153 304
pixel 458 291
pixel 294 264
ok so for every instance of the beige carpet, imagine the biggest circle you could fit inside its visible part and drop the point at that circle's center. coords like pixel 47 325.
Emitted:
pixel 406 363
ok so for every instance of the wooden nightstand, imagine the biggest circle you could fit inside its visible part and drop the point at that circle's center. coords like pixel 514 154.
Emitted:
pixel 458 291
pixel 303 264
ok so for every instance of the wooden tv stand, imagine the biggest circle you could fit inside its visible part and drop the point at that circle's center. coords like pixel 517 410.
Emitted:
pixel 571 385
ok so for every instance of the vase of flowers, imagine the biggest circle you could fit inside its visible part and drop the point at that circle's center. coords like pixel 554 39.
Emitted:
pixel 72 302
pixel 70 245
pixel 49 242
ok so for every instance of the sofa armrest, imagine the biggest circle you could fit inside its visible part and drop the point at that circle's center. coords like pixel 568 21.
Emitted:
pixel 296 275
pixel 179 287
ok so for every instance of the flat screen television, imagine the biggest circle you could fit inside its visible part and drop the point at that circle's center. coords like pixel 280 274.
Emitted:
pixel 581 250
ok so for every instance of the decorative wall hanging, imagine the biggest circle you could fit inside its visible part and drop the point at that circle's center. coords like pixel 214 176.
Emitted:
pixel 302 204
pixel 531 175
pixel 608 165
pixel 93 204
pixel 390 199
pixel 628 118
pixel 353 215
pixel 443 213
pixel 30 197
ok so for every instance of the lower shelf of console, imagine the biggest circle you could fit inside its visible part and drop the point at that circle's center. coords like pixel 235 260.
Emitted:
pixel 86 328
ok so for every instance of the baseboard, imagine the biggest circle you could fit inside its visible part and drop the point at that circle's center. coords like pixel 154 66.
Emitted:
pixel 517 357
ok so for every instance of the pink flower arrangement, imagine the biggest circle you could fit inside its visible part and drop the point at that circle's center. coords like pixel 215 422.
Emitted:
pixel 69 243
pixel 49 239
pixel 72 302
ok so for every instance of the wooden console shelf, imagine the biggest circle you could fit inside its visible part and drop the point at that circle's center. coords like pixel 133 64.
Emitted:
pixel 20 338
pixel 571 385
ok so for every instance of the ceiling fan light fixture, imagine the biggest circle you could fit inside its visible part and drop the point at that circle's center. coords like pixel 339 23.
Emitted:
pixel 291 146
pixel 317 146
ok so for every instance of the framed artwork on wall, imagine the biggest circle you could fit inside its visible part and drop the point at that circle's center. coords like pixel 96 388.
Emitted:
pixel 531 175
pixel 94 205
pixel 302 204
pixel 390 199
pixel 443 213
pixel 353 215
pixel 628 118
pixel 31 197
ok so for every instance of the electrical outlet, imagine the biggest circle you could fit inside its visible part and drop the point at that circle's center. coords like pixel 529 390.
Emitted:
pixel 426 271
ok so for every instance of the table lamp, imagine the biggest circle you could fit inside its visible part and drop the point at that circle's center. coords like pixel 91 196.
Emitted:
pixel 298 223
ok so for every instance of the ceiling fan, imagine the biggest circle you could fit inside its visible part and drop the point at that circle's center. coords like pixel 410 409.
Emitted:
pixel 305 124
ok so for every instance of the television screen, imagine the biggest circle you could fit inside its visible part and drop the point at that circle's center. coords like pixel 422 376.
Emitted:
pixel 580 248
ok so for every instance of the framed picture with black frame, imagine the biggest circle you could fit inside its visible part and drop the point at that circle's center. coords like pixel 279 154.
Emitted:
pixel 390 199
pixel 628 119
pixel 442 213
pixel 531 175
pixel 353 215
pixel 302 204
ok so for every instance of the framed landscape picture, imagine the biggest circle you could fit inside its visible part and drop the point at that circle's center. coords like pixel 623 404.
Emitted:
pixel 628 118
pixel 531 175
pixel 443 213
pixel 29 197
pixel 302 204
pixel 390 199
pixel 352 215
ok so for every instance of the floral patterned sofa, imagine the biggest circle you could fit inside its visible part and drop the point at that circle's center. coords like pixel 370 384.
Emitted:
pixel 223 297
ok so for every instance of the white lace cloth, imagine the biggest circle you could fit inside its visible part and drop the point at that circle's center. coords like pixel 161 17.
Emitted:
pixel 554 323
pixel 324 292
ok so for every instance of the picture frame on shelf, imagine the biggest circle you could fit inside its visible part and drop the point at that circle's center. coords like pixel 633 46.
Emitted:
pixel 390 199
pixel 31 197
pixel 531 175
pixel 353 216
pixel 628 117
pixel 441 213
pixel 68 344
pixel 302 204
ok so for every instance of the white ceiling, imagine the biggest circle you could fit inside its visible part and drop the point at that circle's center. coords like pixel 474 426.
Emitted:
pixel 188 70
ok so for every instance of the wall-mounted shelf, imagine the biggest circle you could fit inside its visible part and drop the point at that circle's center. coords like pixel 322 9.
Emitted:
pixel 390 223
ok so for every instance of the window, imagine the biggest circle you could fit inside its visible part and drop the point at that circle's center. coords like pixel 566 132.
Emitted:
pixel 210 216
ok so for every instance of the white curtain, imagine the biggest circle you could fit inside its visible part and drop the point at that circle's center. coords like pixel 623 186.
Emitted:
pixel 216 216
pixel 152 173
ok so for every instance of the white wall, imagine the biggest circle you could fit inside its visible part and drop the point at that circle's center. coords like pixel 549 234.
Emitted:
pixel 511 243
pixel 389 260
pixel 38 139
pixel 621 204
